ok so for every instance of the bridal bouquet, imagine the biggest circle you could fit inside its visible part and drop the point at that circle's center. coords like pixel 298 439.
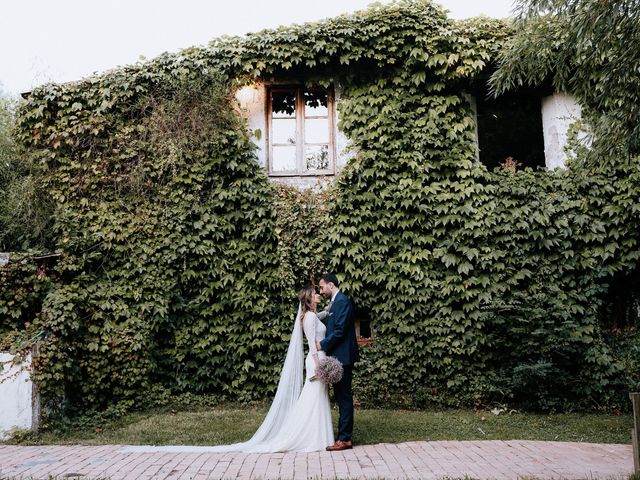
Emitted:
pixel 329 371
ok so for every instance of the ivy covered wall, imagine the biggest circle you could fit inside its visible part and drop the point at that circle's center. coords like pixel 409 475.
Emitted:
pixel 180 260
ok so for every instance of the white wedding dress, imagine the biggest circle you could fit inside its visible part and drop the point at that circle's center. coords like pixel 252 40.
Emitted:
pixel 308 426
pixel 298 419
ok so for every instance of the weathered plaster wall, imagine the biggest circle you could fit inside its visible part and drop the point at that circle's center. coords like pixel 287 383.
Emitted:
pixel 16 393
pixel 559 111
pixel 253 100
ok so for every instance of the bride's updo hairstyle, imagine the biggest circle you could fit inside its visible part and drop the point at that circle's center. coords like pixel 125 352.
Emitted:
pixel 306 297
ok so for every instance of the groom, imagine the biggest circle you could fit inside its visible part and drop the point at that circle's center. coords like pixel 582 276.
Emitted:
pixel 340 342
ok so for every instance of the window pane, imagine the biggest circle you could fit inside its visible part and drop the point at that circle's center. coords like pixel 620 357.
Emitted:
pixel 283 131
pixel 316 157
pixel 284 159
pixel 315 104
pixel 283 104
pixel 316 130
pixel 511 126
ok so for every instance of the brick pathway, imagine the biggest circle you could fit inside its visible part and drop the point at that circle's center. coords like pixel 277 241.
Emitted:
pixel 482 459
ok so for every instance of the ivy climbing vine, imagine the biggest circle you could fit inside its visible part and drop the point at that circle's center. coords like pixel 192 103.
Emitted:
pixel 180 260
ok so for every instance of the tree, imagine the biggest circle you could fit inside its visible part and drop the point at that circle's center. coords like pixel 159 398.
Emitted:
pixel 588 48
pixel 25 209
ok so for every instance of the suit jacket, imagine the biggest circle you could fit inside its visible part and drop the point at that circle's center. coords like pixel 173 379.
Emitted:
pixel 340 340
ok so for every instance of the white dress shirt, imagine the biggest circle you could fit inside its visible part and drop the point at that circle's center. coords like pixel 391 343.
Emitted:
pixel 333 297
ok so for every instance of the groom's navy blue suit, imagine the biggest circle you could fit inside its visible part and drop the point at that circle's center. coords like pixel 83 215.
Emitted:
pixel 340 342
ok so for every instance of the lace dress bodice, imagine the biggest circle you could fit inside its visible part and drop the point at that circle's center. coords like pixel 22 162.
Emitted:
pixel 314 330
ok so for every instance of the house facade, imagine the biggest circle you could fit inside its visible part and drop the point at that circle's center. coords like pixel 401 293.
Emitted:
pixel 299 141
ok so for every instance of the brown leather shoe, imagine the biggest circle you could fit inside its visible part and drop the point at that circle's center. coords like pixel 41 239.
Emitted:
pixel 340 445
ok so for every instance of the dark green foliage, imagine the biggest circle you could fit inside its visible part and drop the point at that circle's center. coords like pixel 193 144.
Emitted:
pixel 625 347
pixel 487 285
pixel 180 261
pixel 168 258
pixel 25 283
pixel 303 225
pixel 587 48
pixel 25 209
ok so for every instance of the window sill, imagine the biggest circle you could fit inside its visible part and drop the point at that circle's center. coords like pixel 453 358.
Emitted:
pixel 315 174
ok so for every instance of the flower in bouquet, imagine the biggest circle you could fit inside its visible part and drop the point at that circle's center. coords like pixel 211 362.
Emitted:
pixel 329 371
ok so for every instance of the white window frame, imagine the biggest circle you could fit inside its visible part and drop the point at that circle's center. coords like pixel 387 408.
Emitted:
pixel 300 171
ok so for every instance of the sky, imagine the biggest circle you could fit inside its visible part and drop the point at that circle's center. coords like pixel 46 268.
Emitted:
pixel 63 40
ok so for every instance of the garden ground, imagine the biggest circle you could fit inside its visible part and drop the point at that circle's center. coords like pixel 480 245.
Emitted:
pixel 389 444
pixel 230 423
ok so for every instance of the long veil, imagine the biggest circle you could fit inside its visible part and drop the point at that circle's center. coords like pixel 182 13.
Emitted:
pixel 288 391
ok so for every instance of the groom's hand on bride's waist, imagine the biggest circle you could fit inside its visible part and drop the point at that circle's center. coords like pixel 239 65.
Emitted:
pixel 318 346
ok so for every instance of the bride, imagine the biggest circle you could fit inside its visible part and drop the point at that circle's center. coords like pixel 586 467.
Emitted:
pixel 299 418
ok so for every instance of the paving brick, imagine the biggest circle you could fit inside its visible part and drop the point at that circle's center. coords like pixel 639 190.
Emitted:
pixel 490 459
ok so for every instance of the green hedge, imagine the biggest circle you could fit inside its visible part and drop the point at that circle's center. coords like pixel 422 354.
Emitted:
pixel 180 260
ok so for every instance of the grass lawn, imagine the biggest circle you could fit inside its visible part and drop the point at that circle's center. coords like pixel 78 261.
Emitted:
pixel 229 424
